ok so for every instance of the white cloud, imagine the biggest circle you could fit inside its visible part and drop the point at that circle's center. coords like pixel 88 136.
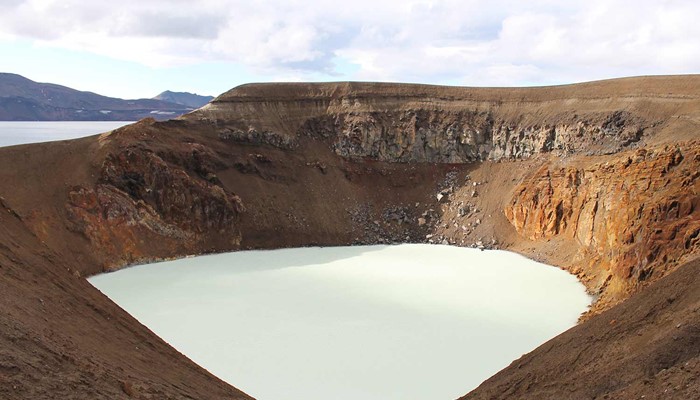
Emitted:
pixel 502 42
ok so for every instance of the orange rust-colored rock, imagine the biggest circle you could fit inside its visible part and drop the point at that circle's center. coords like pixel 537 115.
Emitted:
pixel 633 217
pixel 141 198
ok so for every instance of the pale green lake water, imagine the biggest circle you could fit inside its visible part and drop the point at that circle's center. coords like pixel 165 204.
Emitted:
pixel 401 322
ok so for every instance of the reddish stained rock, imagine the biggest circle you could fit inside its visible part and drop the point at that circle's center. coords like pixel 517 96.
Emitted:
pixel 140 198
pixel 635 217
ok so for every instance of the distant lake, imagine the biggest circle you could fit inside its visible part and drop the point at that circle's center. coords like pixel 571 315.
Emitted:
pixel 21 132
pixel 405 322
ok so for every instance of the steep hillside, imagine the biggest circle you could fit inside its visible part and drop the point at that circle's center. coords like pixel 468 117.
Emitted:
pixel 62 339
pixel 647 347
pixel 22 99
pixel 598 178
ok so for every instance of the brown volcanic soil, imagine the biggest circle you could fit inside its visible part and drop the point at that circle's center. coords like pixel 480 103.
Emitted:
pixel 647 347
pixel 598 178
pixel 62 339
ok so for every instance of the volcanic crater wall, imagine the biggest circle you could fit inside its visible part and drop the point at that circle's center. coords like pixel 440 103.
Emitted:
pixel 434 135
pixel 299 164
pixel 634 217
pixel 173 197
pixel 598 178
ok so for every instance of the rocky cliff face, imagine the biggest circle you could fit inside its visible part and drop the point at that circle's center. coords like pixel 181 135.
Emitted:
pixel 634 217
pixel 435 136
pixel 173 197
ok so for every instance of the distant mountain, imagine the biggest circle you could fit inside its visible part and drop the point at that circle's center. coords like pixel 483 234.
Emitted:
pixel 185 98
pixel 22 99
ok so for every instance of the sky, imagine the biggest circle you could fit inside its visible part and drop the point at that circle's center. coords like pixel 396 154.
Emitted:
pixel 139 48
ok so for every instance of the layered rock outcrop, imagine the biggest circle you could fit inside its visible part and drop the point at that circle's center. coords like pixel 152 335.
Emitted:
pixel 436 136
pixel 634 217
pixel 173 197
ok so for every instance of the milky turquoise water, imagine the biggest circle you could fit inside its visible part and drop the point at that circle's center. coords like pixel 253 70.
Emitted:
pixel 402 322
